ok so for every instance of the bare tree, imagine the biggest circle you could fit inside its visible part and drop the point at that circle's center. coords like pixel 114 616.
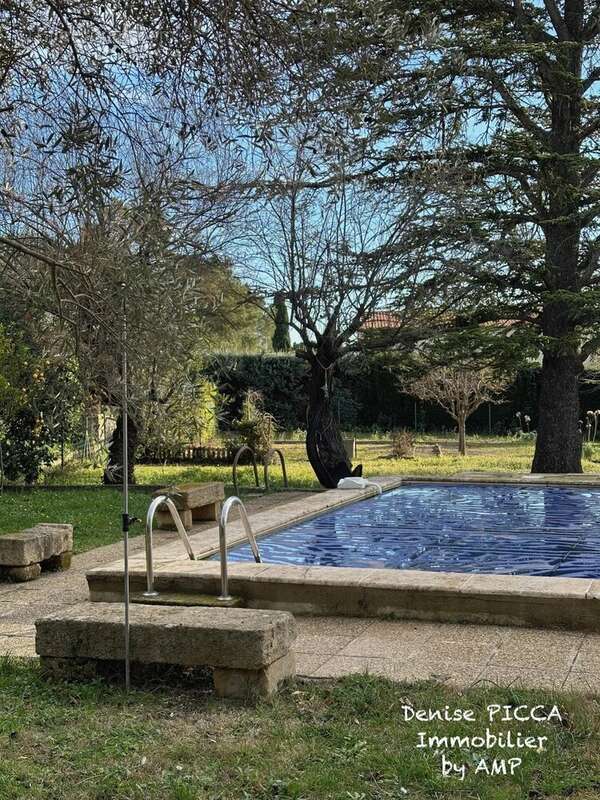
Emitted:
pixel 459 391
pixel 337 253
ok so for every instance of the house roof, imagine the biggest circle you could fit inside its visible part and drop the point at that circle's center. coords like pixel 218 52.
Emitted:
pixel 381 320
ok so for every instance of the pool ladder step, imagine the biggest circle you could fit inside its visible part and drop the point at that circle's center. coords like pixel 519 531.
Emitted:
pixel 189 599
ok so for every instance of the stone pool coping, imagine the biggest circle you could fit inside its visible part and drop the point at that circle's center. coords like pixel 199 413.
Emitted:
pixel 363 592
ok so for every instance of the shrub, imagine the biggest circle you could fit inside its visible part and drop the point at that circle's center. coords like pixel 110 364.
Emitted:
pixel 188 418
pixel 36 400
pixel 257 428
pixel 403 444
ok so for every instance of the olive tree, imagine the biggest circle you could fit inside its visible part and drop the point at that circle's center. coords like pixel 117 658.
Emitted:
pixel 335 251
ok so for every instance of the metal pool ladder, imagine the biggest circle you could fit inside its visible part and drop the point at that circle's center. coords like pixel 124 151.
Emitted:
pixel 227 506
pixel 154 505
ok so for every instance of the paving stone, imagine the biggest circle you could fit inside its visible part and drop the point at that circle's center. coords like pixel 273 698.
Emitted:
pixel 439 670
pixel 403 629
pixel 307 664
pixel 583 681
pixel 17 629
pixel 472 652
pixel 21 647
pixel 342 626
pixel 447 632
pixel 537 654
pixel 338 666
pixel 388 647
pixel 311 643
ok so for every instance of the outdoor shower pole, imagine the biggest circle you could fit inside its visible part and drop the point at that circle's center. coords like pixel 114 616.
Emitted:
pixel 126 519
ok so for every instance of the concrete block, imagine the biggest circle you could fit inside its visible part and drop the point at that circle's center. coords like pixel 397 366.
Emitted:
pixel 210 511
pixel 23 574
pixel 193 495
pixel 165 522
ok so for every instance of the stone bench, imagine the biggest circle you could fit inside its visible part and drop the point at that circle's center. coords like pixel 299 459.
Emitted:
pixel 196 502
pixel 248 650
pixel 24 555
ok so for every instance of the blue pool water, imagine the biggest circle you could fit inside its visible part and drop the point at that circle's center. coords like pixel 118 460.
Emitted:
pixel 515 530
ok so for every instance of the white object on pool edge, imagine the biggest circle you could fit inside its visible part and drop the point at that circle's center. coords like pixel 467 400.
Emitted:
pixel 357 483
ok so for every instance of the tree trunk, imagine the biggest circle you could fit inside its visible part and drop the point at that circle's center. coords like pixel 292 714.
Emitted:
pixel 462 436
pixel 113 474
pixel 558 442
pixel 324 444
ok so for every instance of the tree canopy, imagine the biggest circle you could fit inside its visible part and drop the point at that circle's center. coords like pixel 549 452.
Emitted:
pixel 502 98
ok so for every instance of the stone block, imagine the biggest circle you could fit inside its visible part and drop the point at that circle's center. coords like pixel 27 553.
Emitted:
pixel 165 522
pixel 228 638
pixel 35 545
pixel 59 563
pixel 246 684
pixel 23 574
pixel 192 495
pixel 210 511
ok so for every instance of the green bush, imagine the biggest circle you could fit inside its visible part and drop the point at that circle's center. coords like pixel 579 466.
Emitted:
pixel 257 427
pixel 188 418
pixel 37 402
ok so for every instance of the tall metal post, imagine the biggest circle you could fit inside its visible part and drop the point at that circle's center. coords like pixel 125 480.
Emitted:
pixel 125 516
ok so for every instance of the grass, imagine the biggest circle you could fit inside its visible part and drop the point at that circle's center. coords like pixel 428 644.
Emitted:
pixel 96 513
pixel 342 741
pixel 484 454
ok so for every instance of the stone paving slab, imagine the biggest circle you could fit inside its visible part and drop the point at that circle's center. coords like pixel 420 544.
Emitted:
pixel 460 655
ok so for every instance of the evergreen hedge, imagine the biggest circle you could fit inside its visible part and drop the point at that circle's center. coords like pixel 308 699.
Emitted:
pixel 367 395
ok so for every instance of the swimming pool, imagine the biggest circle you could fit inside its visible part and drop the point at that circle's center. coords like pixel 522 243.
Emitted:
pixel 475 528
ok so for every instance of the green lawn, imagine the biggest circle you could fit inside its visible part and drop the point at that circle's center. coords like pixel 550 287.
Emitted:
pixel 343 741
pixel 484 454
pixel 95 514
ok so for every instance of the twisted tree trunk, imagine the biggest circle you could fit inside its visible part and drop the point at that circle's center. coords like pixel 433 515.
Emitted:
pixel 113 474
pixel 324 444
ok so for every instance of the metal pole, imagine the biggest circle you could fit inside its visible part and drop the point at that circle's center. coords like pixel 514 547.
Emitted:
pixel 125 516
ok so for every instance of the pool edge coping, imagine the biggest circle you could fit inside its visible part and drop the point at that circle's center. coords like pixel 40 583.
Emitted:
pixel 491 589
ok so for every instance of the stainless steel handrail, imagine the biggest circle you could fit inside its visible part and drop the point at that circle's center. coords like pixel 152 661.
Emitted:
pixel 162 499
pixel 227 506
pixel 267 460
pixel 243 449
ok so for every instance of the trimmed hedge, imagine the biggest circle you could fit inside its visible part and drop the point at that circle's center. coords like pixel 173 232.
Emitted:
pixel 367 395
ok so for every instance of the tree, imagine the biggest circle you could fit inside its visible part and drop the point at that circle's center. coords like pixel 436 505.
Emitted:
pixel 460 392
pixel 281 335
pixel 336 254
pixel 91 93
pixel 504 95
